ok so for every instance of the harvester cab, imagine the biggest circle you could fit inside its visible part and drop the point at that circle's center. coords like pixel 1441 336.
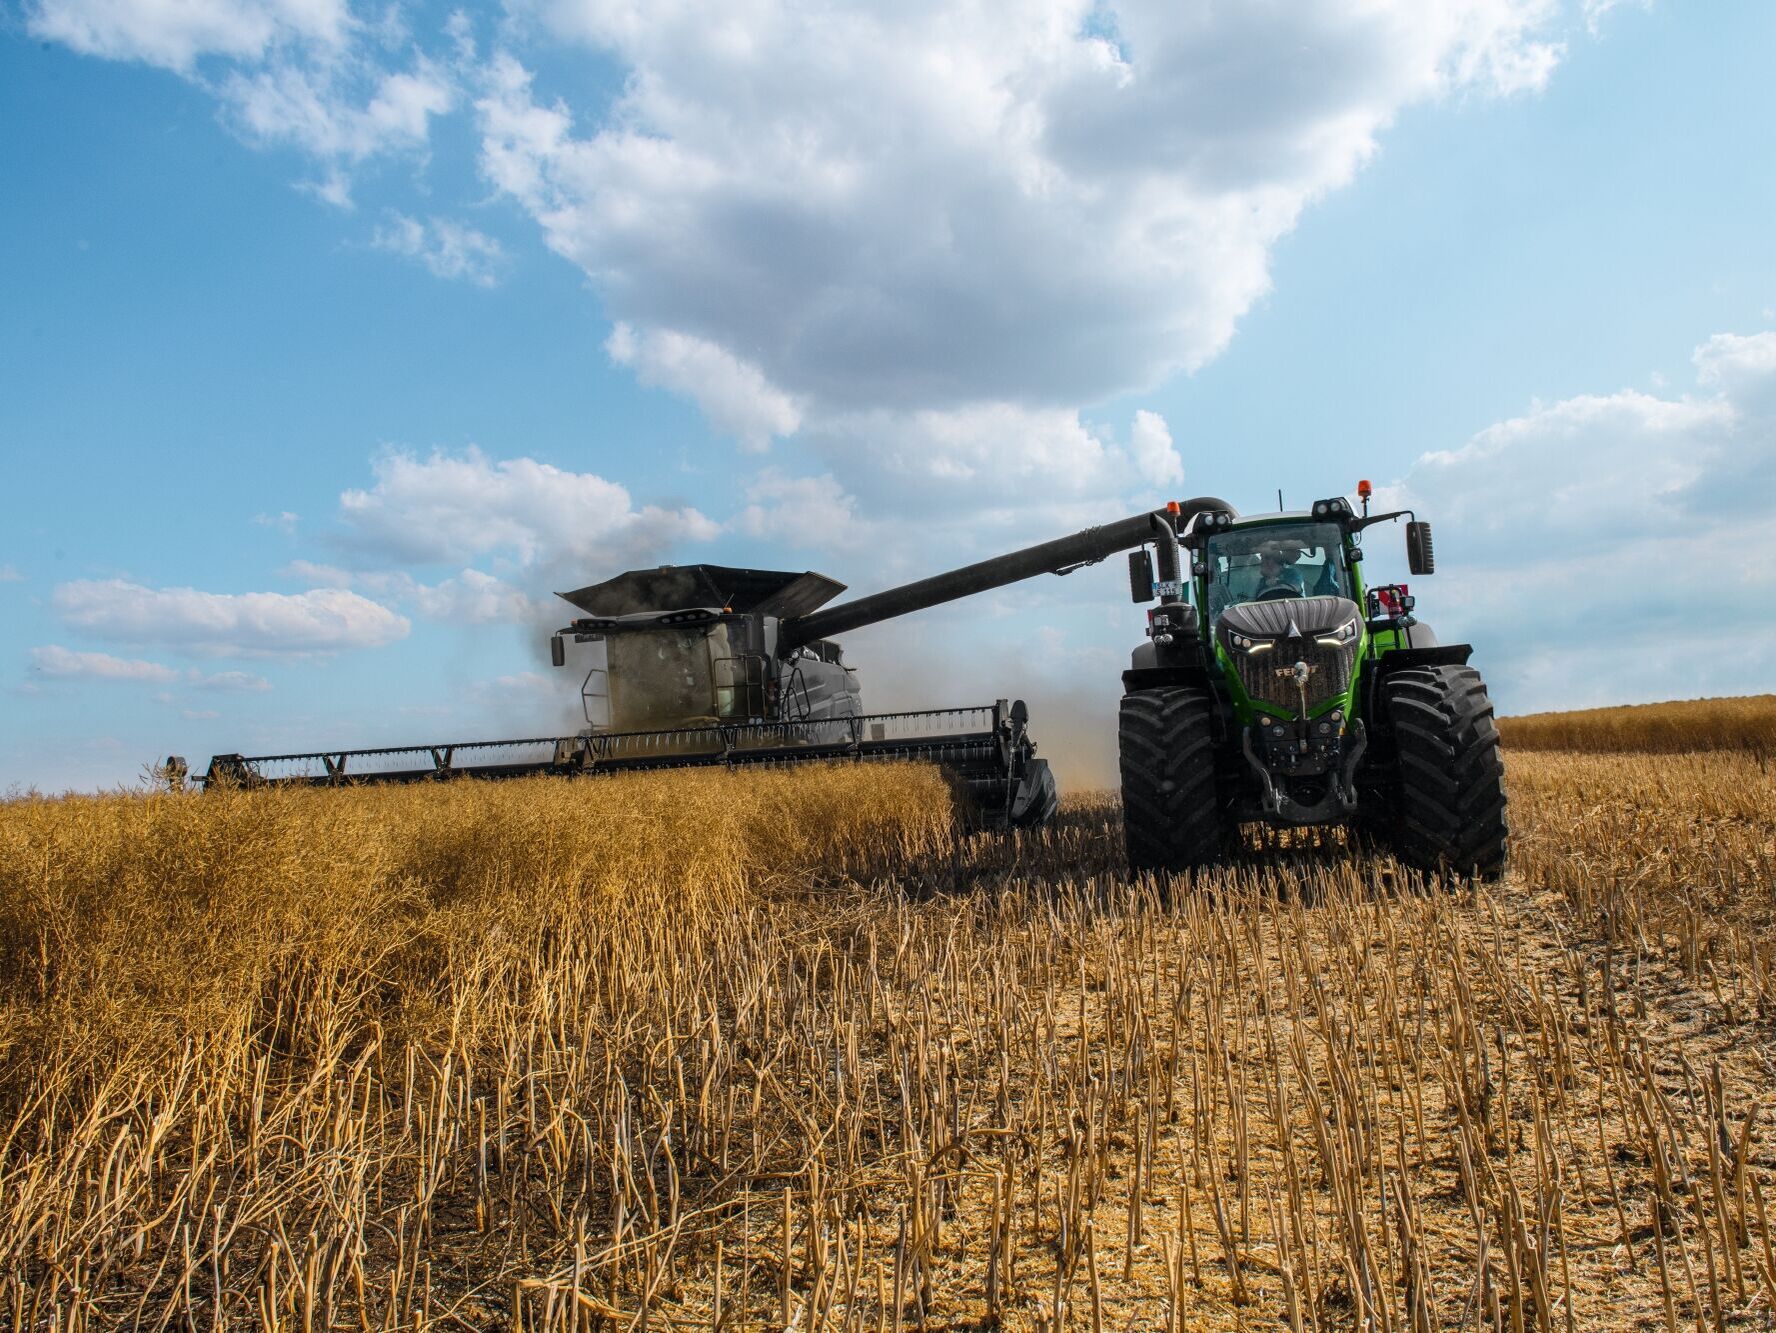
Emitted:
pixel 1284 690
pixel 691 646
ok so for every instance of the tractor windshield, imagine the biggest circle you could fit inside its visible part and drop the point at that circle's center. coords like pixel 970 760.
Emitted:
pixel 1278 560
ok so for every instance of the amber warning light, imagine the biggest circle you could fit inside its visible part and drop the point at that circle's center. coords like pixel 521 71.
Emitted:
pixel 1364 489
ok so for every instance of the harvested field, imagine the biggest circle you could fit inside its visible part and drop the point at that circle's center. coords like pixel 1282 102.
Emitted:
pixel 769 1051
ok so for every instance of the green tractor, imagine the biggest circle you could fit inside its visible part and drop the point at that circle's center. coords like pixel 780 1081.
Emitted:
pixel 1278 687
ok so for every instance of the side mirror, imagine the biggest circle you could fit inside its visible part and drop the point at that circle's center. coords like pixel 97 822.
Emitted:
pixel 558 651
pixel 1421 558
pixel 1141 575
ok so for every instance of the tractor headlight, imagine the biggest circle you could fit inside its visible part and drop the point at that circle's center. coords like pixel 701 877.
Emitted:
pixel 1341 636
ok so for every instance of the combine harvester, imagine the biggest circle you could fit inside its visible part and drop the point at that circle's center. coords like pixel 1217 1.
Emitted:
pixel 703 665
pixel 1274 688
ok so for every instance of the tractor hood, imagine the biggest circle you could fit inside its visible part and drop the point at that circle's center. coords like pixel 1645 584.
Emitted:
pixel 771 592
pixel 1289 617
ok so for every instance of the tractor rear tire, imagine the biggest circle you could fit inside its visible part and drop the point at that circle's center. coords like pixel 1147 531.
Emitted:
pixel 1172 813
pixel 1448 805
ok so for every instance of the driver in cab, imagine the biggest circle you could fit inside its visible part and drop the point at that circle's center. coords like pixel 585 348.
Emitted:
pixel 1277 575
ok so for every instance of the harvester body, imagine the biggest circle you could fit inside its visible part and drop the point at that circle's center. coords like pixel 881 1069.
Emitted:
pixel 697 646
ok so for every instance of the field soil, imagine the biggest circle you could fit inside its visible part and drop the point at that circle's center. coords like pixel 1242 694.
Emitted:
pixel 784 1051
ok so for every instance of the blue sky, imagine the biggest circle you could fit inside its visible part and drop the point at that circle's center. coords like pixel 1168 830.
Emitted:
pixel 333 338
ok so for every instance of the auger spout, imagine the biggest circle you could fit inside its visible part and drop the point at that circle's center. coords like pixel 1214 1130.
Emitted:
pixel 1061 556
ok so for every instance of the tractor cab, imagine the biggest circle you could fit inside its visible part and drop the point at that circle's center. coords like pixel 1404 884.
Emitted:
pixel 1274 561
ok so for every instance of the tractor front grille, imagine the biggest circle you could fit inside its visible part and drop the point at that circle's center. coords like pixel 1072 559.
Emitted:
pixel 1268 678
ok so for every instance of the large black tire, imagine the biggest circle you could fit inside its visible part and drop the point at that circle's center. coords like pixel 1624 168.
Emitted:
pixel 1172 813
pixel 1445 803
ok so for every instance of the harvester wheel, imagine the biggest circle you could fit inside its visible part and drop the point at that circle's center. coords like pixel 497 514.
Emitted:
pixel 1448 806
pixel 1171 809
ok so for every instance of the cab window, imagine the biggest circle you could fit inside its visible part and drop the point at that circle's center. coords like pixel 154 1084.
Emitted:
pixel 1278 561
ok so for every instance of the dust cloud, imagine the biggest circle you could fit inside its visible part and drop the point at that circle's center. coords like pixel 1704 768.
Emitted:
pixel 1072 720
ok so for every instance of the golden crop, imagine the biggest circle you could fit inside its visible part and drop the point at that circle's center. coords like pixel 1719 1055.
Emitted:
pixel 767 1050
pixel 1747 723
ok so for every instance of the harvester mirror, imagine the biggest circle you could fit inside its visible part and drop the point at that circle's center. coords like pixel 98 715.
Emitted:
pixel 1141 575
pixel 557 651
pixel 1421 558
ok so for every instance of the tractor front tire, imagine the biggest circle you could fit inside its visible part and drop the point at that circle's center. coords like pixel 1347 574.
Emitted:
pixel 1448 802
pixel 1173 818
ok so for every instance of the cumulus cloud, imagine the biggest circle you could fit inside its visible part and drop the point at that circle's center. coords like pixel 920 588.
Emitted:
pixel 175 35
pixel 284 521
pixel 852 224
pixel 448 249
pixel 65 664
pixel 266 624
pixel 474 598
pixel 731 392
pixel 302 74
pixel 1004 440
pixel 228 681
pixel 1741 364
pixel 1150 443
pixel 909 207
pixel 802 512
pixel 10 574
pixel 452 507
pixel 1606 547
pixel 468 598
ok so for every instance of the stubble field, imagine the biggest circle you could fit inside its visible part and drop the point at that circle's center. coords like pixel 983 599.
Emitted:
pixel 781 1050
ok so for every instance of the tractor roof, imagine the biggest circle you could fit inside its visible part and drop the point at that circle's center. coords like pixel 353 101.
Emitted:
pixel 1281 516
pixel 771 592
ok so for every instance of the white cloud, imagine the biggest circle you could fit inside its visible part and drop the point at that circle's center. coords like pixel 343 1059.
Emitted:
pixel 10 574
pixel 65 664
pixel 897 208
pixel 319 576
pixel 449 249
pixel 339 112
pixel 1595 10
pixel 1155 457
pixel 471 597
pixel 1014 445
pixel 1740 364
pixel 731 393
pixel 225 624
pixel 836 223
pixel 303 74
pixel 446 508
pixel 284 521
pixel 174 35
pixel 230 681
pixel 803 512
pixel 1607 548
pixel 474 598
